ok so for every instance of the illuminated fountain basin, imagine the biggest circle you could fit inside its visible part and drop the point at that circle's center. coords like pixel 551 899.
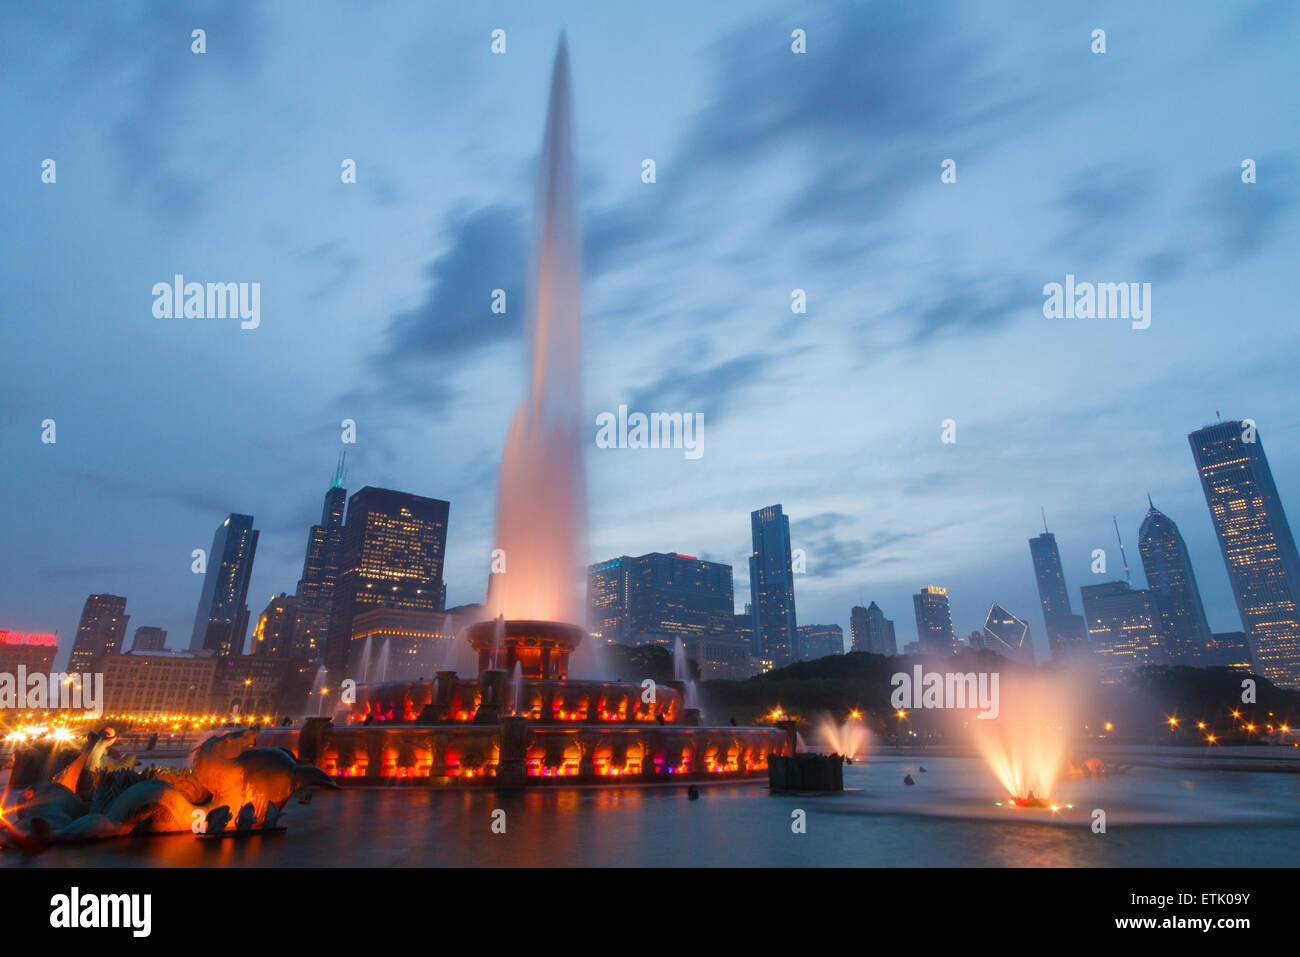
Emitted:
pixel 542 728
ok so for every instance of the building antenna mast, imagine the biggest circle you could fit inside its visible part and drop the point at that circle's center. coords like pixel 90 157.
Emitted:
pixel 1128 577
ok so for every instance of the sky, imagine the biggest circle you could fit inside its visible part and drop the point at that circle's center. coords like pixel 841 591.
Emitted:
pixel 774 171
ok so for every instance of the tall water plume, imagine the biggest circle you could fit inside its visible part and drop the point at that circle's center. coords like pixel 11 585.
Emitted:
pixel 541 500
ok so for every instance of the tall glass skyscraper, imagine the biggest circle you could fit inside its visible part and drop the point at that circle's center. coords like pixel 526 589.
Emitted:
pixel 394 546
pixel 1169 575
pixel 934 621
pixel 1066 632
pixel 1256 541
pixel 221 622
pixel 771 587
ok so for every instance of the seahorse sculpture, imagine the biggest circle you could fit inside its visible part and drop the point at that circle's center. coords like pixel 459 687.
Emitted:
pixel 86 802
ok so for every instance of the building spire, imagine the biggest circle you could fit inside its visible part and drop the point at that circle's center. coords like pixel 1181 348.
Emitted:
pixel 1149 502
pixel 338 470
pixel 1044 511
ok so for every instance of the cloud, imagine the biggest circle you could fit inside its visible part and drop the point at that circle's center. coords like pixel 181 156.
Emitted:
pixel 709 389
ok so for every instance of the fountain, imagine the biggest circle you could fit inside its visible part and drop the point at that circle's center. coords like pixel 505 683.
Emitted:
pixel 1026 745
pixel 848 739
pixel 523 720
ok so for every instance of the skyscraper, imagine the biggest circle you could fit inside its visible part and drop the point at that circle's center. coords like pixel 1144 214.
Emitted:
pixel 320 566
pixel 221 622
pixel 394 546
pixel 659 597
pixel 872 631
pixel 100 633
pixel 1066 632
pixel 771 586
pixel 819 641
pixel 1007 635
pixel 1169 574
pixel 1123 627
pixel 607 586
pixel 1256 542
pixel 934 621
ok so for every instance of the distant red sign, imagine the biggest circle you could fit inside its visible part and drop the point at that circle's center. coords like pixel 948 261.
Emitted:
pixel 18 638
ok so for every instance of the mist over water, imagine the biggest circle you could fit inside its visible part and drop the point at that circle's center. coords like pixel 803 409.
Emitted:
pixel 541 499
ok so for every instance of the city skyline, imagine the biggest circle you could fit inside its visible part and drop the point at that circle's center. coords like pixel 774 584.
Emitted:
pixel 885 328
pixel 332 523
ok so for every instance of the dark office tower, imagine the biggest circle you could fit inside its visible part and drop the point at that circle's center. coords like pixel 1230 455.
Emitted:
pixel 934 621
pixel 658 598
pixel 1066 631
pixel 100 633
pixel 149 638
pixel 221 622
pixel 1169 574
pixel 1006 634
pixel 771 587
pixel 872 631
pixel 743 627
pixel 1123 627
pixel 1256 543
pixel 394 545
pixel 320 567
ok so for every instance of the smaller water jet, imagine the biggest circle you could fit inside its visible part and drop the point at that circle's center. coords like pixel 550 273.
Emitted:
pixel 848 739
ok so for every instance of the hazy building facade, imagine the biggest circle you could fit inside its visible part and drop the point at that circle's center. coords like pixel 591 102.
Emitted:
pixel 771 587
pixel 1228 649
pixel 934 621
pixel 1168 567
pixel 100 633
pixel 719 657
pixel 871 631
pixel 1123 627
pixel 1257 544
pixel 394 546
pixel 819 641
pixel 221 622
pixel 149 638
pixel 1066 632
pixel 658 598
pixel 399 644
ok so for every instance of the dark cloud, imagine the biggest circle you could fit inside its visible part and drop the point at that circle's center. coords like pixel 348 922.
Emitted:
pixel 154 46
pixel 711 389
pixel 1244 216
pixel 884 89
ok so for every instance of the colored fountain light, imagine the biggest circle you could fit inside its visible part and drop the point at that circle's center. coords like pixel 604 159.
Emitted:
pixel 1026 745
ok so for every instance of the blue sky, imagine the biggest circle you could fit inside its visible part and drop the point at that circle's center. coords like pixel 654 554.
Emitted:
pixel 775 171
